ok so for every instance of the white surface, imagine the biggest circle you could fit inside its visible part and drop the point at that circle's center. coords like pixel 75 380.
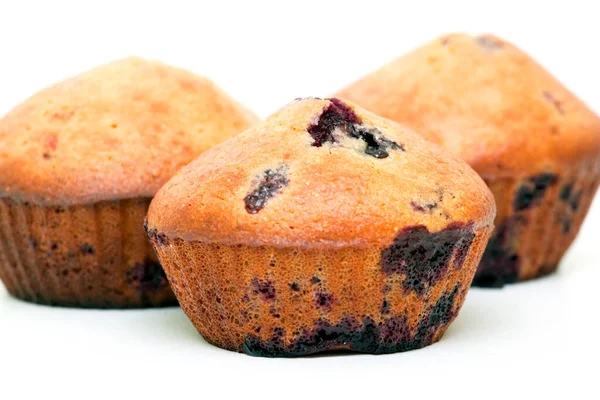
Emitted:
pixel 537 338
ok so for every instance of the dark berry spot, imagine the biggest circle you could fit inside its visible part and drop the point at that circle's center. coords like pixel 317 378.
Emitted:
pixel 338 115
pixel 295 286
pixel 366 336
pixel 533 190
pixel 335 115
pixel 489 43
pixel 86 249
pixel 274 312
pixel 500 263
pixel 555 102
pixel 46 156
pixel 440 314
pixel 424 257
pixel 314 280
pixel 266 186
pixel 33 242
pixel 147 276
pixel 156 238
pixel 565 222
pixel 423 207
pixel 565 192
pixel 264 288
pixel 385 307
pixel 376 146
pixel 324 300
pixel 53 246
pixel 575 200
pixel 427 206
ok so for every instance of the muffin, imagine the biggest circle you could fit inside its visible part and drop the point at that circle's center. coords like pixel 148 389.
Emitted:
pixel 324 228
pixel 79 163
pixel 532 141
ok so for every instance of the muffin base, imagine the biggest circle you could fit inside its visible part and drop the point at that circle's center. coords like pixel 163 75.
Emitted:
pixel 537 219
pixel 282 302
pixel 94 256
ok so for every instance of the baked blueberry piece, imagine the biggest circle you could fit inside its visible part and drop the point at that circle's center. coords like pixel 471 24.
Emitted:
pixel 323 228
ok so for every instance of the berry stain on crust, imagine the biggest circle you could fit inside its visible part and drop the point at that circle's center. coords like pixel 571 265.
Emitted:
pixel 573 200
pixel 269 183
pixel 264 288
pixel 156 238
pixel 533 190
pixel 338 115
pixel 324 300
pixel 391 335
pixel 335 115
pixel 423 207
pixel 554 101
pixel 375 146
pixel 429 206
pixel 500 263
pixel 147 276
pixel 423 257
pixel 86 249
pixel 385 307
pixel 565 192
pixel 488 43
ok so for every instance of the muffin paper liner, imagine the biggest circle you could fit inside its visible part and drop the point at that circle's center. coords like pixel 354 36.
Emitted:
pixel 81 256
pixel 268 301
pixel 537 219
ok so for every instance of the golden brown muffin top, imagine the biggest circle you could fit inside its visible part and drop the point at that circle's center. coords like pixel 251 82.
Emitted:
pixel 486 101
pixel 319 172
pixel 118 131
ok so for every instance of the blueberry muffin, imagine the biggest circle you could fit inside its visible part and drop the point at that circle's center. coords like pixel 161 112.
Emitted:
pixel 323 228
pixel 79 163
pixel 533 142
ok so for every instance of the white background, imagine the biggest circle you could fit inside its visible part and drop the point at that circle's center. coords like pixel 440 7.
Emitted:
pixel 538 338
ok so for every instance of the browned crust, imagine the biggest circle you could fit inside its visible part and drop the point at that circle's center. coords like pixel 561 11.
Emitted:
pixel 80 256
pixel 486 101
pixel 118 131
pixel 337 196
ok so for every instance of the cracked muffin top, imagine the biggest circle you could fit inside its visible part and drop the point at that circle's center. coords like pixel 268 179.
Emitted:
pixel 484 100
pixel 118 131
pixel 319 172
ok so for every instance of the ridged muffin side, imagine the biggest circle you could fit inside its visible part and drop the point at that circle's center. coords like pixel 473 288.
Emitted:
pixel 283 302
pixel 537 219
pixel 81 255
